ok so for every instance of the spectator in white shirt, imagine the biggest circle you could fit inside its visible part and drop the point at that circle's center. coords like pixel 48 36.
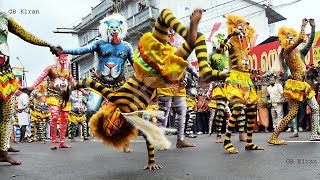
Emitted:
pixel 23 115
pixel 275 91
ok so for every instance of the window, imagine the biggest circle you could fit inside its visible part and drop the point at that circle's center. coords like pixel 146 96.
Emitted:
pixel 85 40
pixel 134 8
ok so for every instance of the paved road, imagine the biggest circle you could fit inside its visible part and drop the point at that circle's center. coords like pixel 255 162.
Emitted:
pixel 93 160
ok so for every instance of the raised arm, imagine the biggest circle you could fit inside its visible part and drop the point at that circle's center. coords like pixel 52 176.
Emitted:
pixel 18 30
pixel 304 51
pixel 43 75
pixel 300 38
pixel 225 45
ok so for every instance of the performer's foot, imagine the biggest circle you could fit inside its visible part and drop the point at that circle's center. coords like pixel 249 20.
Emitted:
pixel 152 166
pixel 276 141
pixel 53 146
pixel 86 138
pixel 4 157
pixel 229 147
pixel 162 149
pixel 251 146
pixel 73 140
pixel 183 144
pixel 294 135
pixel 194 21
pixel 64 145
pixel 43 141
pixel 11 149
pixel 315 137
pixel 128 149
pixel 218 139
pixel 242 137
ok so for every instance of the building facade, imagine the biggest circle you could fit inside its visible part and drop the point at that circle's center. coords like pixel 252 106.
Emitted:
pixel 141 19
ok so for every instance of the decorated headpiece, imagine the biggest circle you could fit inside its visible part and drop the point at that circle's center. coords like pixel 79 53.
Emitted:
pixel 284 36
pixel 113 28
pixel 240 23
pixel 63 62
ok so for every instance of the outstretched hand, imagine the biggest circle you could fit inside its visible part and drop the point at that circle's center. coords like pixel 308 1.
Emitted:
pixel 312 23
pixel 224 74
pixel 56 50
pixel 304 21
pixel 235 32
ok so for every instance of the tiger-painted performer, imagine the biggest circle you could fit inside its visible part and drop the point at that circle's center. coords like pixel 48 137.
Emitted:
pixel 8 81
pixel 113 52
pixel 77 114
pixel 296 89
pixel 191 91
pixel 59 77
pixel 152 70
pixel 218 107
pixel 239 88
pixel 40 113
pixel 310 78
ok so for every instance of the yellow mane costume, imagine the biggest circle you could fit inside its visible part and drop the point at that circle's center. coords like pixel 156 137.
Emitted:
pixel 232 23
pixel 283 38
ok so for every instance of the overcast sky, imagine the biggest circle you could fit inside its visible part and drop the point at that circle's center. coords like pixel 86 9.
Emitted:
pixel 68 13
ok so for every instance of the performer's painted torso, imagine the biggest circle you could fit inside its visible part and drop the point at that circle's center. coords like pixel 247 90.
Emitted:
pixel 58 79
pixel 112 53
pixel 7 80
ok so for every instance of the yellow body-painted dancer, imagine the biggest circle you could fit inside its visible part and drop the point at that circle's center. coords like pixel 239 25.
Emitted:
pixel 8 82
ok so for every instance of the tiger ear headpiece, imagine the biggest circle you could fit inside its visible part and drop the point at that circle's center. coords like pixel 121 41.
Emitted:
pixel 283 36
pixel 234 20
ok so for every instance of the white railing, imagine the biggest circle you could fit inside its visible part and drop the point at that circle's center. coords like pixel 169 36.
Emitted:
pixel 99 9
pixel 142 16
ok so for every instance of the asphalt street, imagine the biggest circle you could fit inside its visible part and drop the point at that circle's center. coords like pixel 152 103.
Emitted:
pixel 208 161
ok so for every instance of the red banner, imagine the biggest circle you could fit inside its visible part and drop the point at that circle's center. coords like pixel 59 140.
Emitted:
pixel 263 57
pixel 266 56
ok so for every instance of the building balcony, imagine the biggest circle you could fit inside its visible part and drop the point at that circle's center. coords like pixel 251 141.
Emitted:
pixel 97 13
pixel 142 21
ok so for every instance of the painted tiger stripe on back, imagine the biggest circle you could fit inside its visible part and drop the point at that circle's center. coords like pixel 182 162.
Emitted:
pixel 137 92
pixel 121 97
pixel 147 89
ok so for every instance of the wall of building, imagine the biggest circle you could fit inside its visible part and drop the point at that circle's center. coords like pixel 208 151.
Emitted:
pixel 85 66
pixel 216 10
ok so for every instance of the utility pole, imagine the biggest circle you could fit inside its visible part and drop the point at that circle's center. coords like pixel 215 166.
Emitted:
pixel 24 78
